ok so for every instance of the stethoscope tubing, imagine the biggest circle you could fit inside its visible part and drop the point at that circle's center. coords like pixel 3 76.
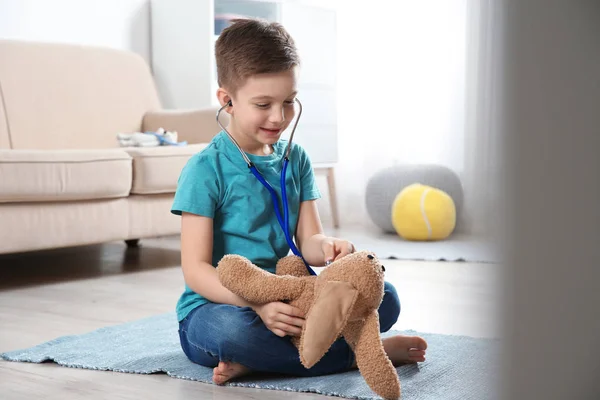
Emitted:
pixel 284 222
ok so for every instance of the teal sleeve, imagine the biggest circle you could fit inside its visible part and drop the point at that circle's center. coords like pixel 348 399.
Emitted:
pixel 308 187
pixel 198 189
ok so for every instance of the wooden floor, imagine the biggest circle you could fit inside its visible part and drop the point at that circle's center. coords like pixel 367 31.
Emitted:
pixel 48 294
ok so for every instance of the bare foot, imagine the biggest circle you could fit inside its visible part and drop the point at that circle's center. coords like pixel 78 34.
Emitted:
pixel 405 349
pixel 226 371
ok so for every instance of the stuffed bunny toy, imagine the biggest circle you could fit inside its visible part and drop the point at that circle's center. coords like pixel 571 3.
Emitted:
pixel 341 301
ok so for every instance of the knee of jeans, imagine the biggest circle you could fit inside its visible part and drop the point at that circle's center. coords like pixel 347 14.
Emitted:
pixel 233 337
pixel 195 353
pixel 389 310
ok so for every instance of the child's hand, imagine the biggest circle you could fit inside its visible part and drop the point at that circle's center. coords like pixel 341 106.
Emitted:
pixel 280 318
pixel 334 249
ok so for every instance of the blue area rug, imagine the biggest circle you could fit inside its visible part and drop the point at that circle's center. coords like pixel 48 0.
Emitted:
pixel 457 367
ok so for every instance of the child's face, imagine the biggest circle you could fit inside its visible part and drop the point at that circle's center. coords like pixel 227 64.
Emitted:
pixel 264 107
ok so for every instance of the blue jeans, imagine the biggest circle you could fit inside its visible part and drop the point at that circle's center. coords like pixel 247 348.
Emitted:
pixel 221 332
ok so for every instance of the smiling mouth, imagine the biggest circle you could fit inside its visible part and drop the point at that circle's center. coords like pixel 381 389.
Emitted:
pixel 271 131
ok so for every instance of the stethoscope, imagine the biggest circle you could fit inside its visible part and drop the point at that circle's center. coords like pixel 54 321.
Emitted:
pixel 283 221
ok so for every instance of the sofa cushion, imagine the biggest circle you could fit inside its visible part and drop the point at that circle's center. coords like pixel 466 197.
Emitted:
pixel 62 175
pixel 150 216
pixel 157 169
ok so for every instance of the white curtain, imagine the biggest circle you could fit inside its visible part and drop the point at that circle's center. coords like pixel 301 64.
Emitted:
pixel 412 88
pixel 483 179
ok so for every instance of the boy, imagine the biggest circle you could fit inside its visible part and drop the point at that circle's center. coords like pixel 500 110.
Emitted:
pixel 225 209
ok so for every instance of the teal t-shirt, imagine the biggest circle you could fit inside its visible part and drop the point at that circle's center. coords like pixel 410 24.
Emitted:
pixel 217 183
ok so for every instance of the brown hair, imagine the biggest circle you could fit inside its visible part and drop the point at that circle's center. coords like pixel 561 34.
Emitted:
pixel 253 46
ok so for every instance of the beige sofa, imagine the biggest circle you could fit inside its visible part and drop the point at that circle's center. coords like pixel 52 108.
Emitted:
pixel 64 181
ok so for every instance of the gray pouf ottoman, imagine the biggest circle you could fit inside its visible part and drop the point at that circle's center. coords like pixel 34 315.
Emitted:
pixel 384 186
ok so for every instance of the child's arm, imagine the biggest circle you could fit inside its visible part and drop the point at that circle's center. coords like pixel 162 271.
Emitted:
pixel 196 254
pixel 316 248
pixel 196 259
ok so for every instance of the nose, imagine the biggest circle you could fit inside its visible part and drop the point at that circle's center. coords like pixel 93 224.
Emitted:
pixel 383 268
pixel 277 115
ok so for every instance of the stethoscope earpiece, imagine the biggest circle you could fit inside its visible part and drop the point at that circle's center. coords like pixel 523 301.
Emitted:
pixel 229 104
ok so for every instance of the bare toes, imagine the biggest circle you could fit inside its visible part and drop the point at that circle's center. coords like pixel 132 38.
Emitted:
pixel 416 355
pixel 226 371
pixel 220 373
pixel 219 379
pixel 417 342
pixel 405 349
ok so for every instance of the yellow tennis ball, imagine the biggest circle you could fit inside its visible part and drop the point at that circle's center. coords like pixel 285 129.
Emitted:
pixel 421 212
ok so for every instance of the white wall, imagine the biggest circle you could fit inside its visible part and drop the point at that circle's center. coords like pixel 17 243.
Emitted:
pixel 121 24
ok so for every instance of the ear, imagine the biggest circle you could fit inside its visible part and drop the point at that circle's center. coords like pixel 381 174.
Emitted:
pixel 372 361
pixel 325 320
pixel 224 97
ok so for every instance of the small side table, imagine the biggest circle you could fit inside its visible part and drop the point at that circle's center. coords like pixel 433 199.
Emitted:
pixel 329 172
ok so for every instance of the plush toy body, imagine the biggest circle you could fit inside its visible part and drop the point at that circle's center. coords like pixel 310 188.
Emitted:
pixel 341 301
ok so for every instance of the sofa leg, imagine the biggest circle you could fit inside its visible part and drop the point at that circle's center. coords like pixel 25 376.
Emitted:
pixel 131 243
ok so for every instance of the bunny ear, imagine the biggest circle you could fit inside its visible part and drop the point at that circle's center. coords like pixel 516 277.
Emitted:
pixel 325 320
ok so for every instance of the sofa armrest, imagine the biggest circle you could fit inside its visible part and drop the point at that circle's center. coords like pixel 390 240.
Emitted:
pixel 193 126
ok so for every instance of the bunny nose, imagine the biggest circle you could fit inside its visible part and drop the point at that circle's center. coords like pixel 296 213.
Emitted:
pixel 383 268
